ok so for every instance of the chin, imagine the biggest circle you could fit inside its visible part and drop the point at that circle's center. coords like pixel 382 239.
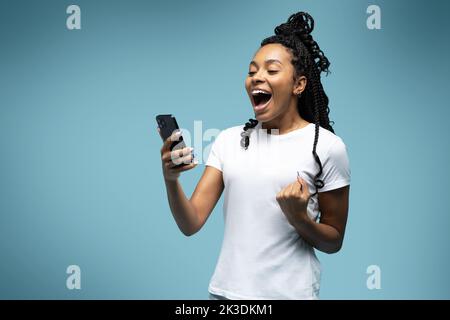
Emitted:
pixel 262 117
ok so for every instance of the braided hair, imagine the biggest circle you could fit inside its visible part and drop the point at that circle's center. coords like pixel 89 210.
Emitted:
pixel 310 61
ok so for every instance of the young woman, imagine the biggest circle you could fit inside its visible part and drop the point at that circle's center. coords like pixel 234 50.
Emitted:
pixel 285 176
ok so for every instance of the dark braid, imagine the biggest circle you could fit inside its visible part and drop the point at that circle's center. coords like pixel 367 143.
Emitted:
pixel 308 60
pixel 245 141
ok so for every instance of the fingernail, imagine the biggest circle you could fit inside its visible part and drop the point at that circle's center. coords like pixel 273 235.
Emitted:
pixel 191 149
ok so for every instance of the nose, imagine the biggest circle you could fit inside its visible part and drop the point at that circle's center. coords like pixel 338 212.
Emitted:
pixel 257 78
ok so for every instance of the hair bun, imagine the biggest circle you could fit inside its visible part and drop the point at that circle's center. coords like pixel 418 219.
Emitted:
pixel 300 23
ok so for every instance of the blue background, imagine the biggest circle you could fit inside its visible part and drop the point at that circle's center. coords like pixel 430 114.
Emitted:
pixel 80 175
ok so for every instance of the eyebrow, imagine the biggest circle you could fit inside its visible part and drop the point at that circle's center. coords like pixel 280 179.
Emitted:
pixel 268 61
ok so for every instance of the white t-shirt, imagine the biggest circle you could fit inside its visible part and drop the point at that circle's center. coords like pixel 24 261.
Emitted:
pixel 262 256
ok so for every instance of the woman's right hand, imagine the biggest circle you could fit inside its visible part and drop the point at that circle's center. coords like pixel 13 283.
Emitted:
pixel 172 158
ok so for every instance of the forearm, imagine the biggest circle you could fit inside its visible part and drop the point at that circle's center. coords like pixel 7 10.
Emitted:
pixel 183 211
pixel 321 236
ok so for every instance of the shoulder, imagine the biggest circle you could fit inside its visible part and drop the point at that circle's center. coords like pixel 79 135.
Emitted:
pixel 225 139
pixel 334 145
pixel 230 133
pixel 329 143
pixel 233 130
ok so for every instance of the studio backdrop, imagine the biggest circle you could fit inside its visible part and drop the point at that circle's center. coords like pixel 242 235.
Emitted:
pixel 81 186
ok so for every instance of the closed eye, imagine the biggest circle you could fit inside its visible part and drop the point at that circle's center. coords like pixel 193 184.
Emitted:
pixel 251 73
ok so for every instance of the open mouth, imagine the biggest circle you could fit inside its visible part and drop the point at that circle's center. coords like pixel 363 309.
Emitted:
pixel 260 98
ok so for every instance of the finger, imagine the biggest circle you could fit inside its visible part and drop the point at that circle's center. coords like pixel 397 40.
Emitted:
pixel 305 188
pixel 292 189
pixel 175 136
pixel 300 184
pixel 183 160
pixel 185 168
pixel 297 189
pixel 280 195
pixel 285 192
pixel 172 155
pixel 176 155
pixel 166 156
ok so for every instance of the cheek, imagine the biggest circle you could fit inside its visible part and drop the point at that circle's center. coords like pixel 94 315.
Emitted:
pixel 283 90
pixel 282 94
pixel 283 83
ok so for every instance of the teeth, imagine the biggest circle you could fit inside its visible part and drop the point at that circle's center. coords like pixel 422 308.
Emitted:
pixel 260 91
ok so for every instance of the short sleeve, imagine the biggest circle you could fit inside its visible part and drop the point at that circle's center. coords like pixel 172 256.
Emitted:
pixel 336 167
pixel 215 157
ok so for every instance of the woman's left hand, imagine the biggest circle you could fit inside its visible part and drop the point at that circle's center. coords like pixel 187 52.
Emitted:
pixel 293 200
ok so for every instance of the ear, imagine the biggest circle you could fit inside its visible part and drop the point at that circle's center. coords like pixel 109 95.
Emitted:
pixel 299 85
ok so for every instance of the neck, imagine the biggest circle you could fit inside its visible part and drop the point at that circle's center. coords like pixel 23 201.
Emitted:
pixel 285 122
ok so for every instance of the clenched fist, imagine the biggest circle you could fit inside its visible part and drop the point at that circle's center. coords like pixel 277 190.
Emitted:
pixel 293 200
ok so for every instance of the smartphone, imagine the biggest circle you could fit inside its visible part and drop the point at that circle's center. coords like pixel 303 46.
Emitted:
pixel 167 124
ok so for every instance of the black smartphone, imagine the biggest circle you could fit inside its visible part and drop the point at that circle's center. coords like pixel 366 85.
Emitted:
pixel 167 124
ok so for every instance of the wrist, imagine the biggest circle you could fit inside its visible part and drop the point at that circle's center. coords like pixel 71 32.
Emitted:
pixel 170 180
pixel 302 220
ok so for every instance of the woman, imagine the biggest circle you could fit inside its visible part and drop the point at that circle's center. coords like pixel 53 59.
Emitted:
pixel 268 170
